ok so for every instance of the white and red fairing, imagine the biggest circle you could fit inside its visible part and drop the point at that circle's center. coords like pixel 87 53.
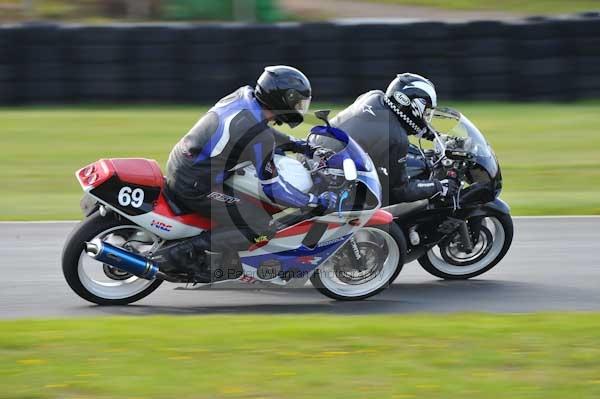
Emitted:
pixel 158 217
pixel 145 173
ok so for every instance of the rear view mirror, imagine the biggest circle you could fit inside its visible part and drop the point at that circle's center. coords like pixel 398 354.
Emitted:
pixel 323 115
pixel 350 172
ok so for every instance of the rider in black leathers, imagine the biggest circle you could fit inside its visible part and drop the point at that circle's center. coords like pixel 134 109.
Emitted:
pixel 381 123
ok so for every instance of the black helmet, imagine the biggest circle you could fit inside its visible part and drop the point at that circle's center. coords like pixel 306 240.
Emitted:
pixel 413 99
pixel 286 92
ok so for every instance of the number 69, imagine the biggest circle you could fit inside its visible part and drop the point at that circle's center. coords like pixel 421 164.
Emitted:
pixel 127 197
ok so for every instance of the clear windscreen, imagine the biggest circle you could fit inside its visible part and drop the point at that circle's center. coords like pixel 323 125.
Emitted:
pixel 343 149
pixel 328 142
pixel 461 132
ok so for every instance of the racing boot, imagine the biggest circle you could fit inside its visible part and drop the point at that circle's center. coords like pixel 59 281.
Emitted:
pixel 186 256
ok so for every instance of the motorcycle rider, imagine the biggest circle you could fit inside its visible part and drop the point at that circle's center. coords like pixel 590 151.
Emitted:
pixel 381 123
pixel 234 133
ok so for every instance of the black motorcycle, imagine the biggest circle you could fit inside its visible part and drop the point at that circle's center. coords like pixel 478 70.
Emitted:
pixel 468 235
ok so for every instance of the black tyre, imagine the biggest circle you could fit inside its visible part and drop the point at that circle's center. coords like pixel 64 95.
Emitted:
pixel 448 262
pixel 384 248
pixel 117 287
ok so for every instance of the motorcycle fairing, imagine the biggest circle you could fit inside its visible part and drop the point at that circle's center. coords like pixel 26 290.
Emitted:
pixel 295 259
pixel 347 148
pixel 296 250
pixel 301 259
pixel 103 180
pixel 288 248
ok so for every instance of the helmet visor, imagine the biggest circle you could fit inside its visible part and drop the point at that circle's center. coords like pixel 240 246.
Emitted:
pixel 428 114
pixel 303 105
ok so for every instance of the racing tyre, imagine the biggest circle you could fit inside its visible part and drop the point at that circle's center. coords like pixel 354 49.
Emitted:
pixel 447 261
pixel 343 277
pixel 100 283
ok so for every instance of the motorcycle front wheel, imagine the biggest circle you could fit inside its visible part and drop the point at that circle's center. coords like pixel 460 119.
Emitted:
pixel 343 277
pixel 448 261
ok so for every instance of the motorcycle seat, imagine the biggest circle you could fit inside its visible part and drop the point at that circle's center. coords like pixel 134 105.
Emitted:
pixel 177 207
pixel 139 171
pixel 405 208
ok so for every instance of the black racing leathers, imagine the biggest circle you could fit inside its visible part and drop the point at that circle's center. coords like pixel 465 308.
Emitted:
pixel 377 129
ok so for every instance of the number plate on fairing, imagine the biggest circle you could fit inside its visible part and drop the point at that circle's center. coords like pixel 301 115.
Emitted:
pixel 128 198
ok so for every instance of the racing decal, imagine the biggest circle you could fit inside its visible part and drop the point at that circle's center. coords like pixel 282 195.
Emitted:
pixel 295 263
pixel 269 167
pixel 261 239
pixel 131 199
pixel 369 109
pixel 223 197
pixel 310 260
pixel 247 279
pixel 402 98
pixel 157 224
pixel 418 107
pixel 330 242
pixel 128 196
pixel 426 87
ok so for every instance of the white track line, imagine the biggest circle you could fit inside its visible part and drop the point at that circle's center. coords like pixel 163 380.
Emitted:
pixel 514 217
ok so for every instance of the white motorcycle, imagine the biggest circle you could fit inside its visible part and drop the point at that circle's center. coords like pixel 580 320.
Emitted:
pixel 108 258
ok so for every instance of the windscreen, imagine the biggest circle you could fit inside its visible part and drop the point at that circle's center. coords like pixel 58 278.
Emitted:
pixel 452 123
pixel 344 147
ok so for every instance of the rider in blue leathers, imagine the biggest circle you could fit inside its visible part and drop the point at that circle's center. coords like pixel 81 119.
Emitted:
pixel 235 133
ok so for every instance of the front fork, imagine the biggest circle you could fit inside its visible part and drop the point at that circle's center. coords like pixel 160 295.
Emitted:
pixel 360 260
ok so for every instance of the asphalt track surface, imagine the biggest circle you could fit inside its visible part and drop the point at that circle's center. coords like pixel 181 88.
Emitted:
pixel 553 265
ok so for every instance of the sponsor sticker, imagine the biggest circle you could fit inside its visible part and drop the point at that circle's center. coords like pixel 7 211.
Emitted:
pixel 223 198
pixel 401 98
pixel 161 225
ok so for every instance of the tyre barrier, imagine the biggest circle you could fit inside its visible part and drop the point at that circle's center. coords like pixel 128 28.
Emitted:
pixel 200 63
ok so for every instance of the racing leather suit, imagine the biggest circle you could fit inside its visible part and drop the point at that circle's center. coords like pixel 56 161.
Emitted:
pixel 377 129
pixel 230 136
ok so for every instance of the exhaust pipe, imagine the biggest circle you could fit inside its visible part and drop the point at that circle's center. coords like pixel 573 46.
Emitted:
pixel 122 259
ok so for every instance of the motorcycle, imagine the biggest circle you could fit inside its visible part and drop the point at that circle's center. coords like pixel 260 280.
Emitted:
pixel 110 257
pixel 470 234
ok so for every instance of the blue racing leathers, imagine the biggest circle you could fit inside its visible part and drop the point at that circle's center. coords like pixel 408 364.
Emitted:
pixel 231 135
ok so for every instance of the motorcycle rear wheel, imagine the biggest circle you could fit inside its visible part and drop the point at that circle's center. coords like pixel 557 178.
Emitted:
pixel 446 262
pixel 333 281
pixel 93 281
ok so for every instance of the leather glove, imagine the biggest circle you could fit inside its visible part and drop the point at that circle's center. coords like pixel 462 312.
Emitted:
pixel 326 201
pixel 449 188
pixel 450 185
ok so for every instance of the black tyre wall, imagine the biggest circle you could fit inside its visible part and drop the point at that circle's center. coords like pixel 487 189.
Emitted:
pixel 538 59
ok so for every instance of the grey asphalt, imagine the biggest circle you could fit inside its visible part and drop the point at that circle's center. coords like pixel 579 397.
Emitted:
pixel 553 265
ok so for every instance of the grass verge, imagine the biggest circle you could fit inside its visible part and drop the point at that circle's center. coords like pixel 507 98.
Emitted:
pixel 549 153
pixel 416 356
pixel 543 7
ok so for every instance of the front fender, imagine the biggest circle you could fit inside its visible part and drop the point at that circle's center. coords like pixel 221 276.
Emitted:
pixel 497 206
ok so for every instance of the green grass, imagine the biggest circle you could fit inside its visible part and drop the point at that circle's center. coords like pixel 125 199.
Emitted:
pixel 543 7
pixel 418 356
pixel 550 153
